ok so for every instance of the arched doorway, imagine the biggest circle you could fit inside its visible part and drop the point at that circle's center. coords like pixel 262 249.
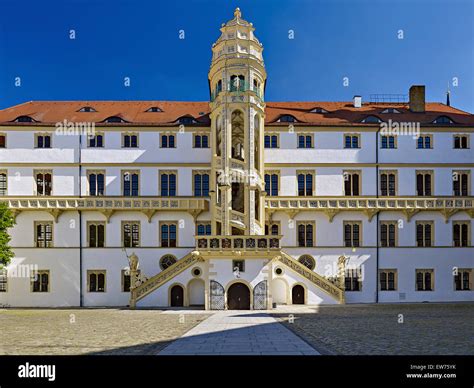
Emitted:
pixel 196 292
pixel 297 294
pixel 238 297
pixel 177 296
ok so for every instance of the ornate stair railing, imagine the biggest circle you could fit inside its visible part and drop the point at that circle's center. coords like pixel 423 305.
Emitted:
pixel 318 280
pixel 163 277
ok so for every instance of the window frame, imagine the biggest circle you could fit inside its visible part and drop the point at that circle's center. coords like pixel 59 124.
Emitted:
pixel 44 134
pixel 306 224
pixel 130 134
pixel 432 279
pixel 51 242
pixel 122 233
pixel 122 182
pixel 432 234
pixel 313 182
pixel 40 272
pixel 175 173
pixel 460 224
pixel 461 136
pixel 387 271
pixel 160 225
pixel 270 173
pixel 352 135
pixel 388 173
pixel 359 188
pixel 352 223
pixel 88 236
pixel 388 223
pixel 96 272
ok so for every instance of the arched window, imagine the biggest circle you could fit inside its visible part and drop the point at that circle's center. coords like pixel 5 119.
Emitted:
pixel 287 119
pixel 87 109
pixel 154 109
pixel 167 261
pixel 371 120
pixel 114 119
pixel 185 120
pixel 308 261
pixel 390 110
pixel 443 120
pixel 24 119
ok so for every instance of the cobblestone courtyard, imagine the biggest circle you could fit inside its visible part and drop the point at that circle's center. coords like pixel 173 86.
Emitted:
pixel 402 329
pixel 354 329
pixel 92 331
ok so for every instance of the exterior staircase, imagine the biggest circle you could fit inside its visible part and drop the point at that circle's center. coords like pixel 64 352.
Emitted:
pixel 333 289
pixel 163 277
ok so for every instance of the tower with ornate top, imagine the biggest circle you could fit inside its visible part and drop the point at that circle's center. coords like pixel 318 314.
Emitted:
pixel 237 82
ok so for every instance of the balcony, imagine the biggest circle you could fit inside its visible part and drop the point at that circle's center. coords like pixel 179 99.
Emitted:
pixel 107 205
pixel 371 205
pixel 235 245
pixel 233 89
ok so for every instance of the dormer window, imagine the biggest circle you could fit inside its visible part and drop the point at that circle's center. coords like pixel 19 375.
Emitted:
pixel 318 110
pixel 154 109
pixel 87 109
pixel 24 119
pixel 114 119
pixel 443 120
pixel 186 120
pixel 390 110
pixel 287 119
pixel 371 120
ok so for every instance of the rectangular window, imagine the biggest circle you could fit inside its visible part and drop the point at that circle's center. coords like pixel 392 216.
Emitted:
pixel 388 279
pixel 96 280
pixel 352 233
pixel 201 184
pixel 461 142
pixel 43 141
pixel 305 141
pixel 96 141
pixel 44 183
pixel 388 233
pixel 271 141
pixel 461 233
pixel 305 183
pixel 201 141
pixel 424 233
pixel 40 281
pixel 425 280
pixel 3 183
pixel 461 183
pixel 131 234
pixel 353 279
pixel 424 183
pixel 306 233
pixel 238 265
pixel 3 140
pixel 463 279
pixel 168 141
pixel 168 184
pixel 388 183
pixel 44 234
pixel 3 280
pixel 272 229
pixel 168 235
pixel 388 142
pixel 352 183
pixel 130 183
pixel 424 142
pixel 130 140
pixel 271 183
pixel 351 141
pixel 126 280
pixel 203 229
pixel 96 183
pixel 96 234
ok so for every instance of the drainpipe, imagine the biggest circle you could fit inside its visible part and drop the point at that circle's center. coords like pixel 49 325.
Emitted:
pixel 377 215
pixel 81 301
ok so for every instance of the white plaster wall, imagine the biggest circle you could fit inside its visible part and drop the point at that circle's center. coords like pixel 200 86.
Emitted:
pixel 63 265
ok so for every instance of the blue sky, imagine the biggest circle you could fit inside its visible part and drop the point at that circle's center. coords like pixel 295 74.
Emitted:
pixel 140 39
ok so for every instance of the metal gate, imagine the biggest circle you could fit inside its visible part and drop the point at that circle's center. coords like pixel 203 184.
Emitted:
pixel 217 296
pixel 260 296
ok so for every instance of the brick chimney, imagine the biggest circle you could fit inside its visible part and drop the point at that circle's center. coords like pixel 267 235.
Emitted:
pixel 357 101
pixel 417 98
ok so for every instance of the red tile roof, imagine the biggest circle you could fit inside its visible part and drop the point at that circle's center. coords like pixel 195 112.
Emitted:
pixel 135 112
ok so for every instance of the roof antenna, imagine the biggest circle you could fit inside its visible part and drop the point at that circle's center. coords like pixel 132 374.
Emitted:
pixel 448 102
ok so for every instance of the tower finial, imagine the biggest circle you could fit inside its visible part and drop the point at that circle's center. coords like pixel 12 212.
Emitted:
pixel 448 95
pixel 237 13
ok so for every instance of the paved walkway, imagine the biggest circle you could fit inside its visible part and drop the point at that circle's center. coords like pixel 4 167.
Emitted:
pixel 239 333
